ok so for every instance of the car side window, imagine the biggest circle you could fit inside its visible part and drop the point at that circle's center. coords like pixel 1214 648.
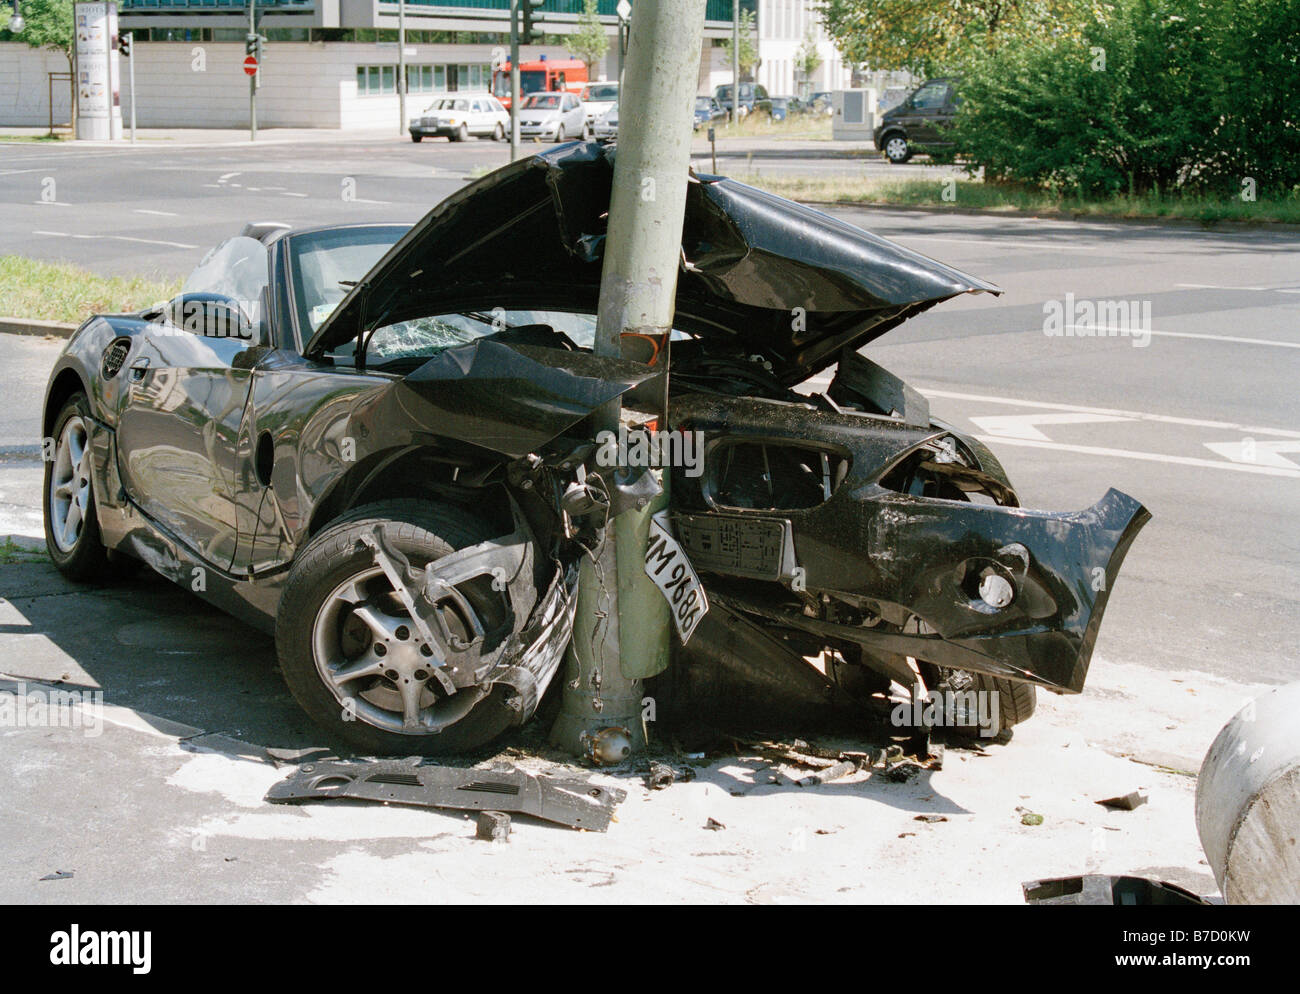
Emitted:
pixel 930 96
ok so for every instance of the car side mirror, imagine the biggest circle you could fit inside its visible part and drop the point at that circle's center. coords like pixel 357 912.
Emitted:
pixel 211 315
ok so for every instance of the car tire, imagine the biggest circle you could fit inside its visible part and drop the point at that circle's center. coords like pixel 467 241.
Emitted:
pixel 462 133
pixel 896 149
pixel 586 132
pixel 308 619
pixel 1016 698
pixel 72 532
pixel 416 138
pixel 499 133
pixel 559 134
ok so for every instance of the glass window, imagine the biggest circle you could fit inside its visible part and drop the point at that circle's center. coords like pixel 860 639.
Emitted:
pixel 373 77
pixel 361 80
pixel 389 79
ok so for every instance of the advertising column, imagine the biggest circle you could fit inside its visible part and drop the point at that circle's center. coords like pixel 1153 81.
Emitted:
pixel 99 96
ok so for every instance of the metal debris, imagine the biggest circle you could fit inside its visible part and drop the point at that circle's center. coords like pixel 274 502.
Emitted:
pixel 493 826
pixel 59 875
pixel 607 746
pixel 575 803
pixel 1125 802
pixel 713 825
pixel 930 819
pixel 842 769
pixel 1098 888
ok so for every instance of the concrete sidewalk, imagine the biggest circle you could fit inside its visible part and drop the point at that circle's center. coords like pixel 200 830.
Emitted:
pixel 173 138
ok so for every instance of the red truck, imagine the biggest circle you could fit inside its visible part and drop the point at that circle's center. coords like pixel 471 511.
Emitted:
pixel 538 75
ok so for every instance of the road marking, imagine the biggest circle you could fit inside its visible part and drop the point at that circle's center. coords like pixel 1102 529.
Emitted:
pixel 288 193
pixel 15 172
pixel 145 210
pixel 1131 415
pixel 1217 286
pixel 225 176
pixel 1254 453
pixel 1022 425
pixel 51 203
pixel 992 241
pixel 116 238
pixel 1095 450
pixel 1227 338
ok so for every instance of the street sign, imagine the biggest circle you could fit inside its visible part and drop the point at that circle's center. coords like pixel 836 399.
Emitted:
pixel 624 10
pixel 250 66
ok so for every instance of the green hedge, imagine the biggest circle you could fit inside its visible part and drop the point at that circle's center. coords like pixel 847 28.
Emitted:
pixel 1160 95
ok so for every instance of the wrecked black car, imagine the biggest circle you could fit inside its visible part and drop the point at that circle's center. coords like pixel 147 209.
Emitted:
pixel 377 442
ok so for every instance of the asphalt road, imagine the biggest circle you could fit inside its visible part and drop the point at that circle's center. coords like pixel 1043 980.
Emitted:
pixel 157 207
pixel 1200 423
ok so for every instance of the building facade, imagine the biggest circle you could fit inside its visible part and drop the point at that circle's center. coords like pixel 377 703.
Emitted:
pixel 334 63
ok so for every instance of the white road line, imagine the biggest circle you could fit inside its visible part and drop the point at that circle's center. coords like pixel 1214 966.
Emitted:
pixel 1258 453
pixel 1096 450
pixel 1134 415
pixel 1024 425
pixel 145 210
pixel 51 203
pixel 116 238
pixel 1217 286
pixel 977 242
pixel 1229 338
pixel 15 172
pixel 287 193
pixel 225 176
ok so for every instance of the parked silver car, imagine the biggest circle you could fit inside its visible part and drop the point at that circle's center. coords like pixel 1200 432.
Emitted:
pixel 458 116
pixel 606 125
pixel 552 117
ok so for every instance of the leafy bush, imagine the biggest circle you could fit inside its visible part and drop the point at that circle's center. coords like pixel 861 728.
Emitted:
pixel 1152 96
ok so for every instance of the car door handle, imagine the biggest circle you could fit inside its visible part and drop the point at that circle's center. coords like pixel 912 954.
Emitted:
pixel 138 369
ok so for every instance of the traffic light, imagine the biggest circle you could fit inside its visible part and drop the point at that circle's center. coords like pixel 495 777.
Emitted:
pixel 251 44
pixel 124 45
pixel 528 34
pixel 257 46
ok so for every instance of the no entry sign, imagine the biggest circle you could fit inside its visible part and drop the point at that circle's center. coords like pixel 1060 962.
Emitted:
pixel 250 65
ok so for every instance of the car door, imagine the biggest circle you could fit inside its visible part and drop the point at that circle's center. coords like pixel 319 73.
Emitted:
pixel 926 112
pixel 177 432
pixel 575 119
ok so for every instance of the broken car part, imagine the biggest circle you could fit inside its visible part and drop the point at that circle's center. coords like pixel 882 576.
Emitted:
pixel 1119 891
pixel 574 803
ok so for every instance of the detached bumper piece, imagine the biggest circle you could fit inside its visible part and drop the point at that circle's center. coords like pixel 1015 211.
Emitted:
pixel 573 803
pixel 1119 891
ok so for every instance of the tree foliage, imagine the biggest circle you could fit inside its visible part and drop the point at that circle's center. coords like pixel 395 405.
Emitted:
pixel 49 25
pixel 932 37
pixel 1193 95
pixel 807 59
pixel 748 44
pixel 589 42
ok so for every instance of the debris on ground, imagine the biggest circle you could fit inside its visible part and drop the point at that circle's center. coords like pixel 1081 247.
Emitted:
pixel 574 803
pixel 493 826
pixel 713 825
pixel 1031 818
pixel 660 775
pixel 903 772
pixel 835 772
pixel 1099 888
pixel 1125 802
pixel 930 819
pixel 59 875
pixel 607 746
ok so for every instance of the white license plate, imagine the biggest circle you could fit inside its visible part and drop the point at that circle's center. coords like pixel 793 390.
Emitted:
pixel 667 566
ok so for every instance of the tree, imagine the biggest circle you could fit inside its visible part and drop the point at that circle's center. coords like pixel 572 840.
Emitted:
pixel 589 42
pixel 807 59
pixel 49 25
pixel 930 37
pixel 748 44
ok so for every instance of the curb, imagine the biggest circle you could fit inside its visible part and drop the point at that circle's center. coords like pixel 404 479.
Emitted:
pixel 32 326
pixel 1228 224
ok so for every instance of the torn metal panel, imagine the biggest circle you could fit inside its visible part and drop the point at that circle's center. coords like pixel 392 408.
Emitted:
pixel 1118 891
pixel 575 803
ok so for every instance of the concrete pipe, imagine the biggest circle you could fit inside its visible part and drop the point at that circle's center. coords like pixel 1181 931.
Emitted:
pixel 1248 802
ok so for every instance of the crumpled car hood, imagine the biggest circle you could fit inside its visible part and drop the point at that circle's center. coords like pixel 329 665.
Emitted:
pixel 532 233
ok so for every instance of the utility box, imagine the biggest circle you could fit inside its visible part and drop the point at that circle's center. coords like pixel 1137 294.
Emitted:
pixel 854 117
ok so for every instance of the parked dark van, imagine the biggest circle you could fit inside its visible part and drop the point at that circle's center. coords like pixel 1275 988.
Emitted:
pixel 920 122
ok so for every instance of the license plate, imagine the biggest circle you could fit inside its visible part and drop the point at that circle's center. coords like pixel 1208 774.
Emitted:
pixel 667 566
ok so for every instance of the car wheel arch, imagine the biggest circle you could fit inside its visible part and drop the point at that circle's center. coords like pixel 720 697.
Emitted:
pixel 66 383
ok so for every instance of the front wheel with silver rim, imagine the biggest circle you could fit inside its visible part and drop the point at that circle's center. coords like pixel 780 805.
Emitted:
pixel 71 527
pixel 896 149
pixel 361 664
pixel 499 133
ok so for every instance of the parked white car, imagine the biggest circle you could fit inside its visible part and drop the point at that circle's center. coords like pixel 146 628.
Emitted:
pixel 552 116
pixel 598 99
pixel 457 116
pixel 606 125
